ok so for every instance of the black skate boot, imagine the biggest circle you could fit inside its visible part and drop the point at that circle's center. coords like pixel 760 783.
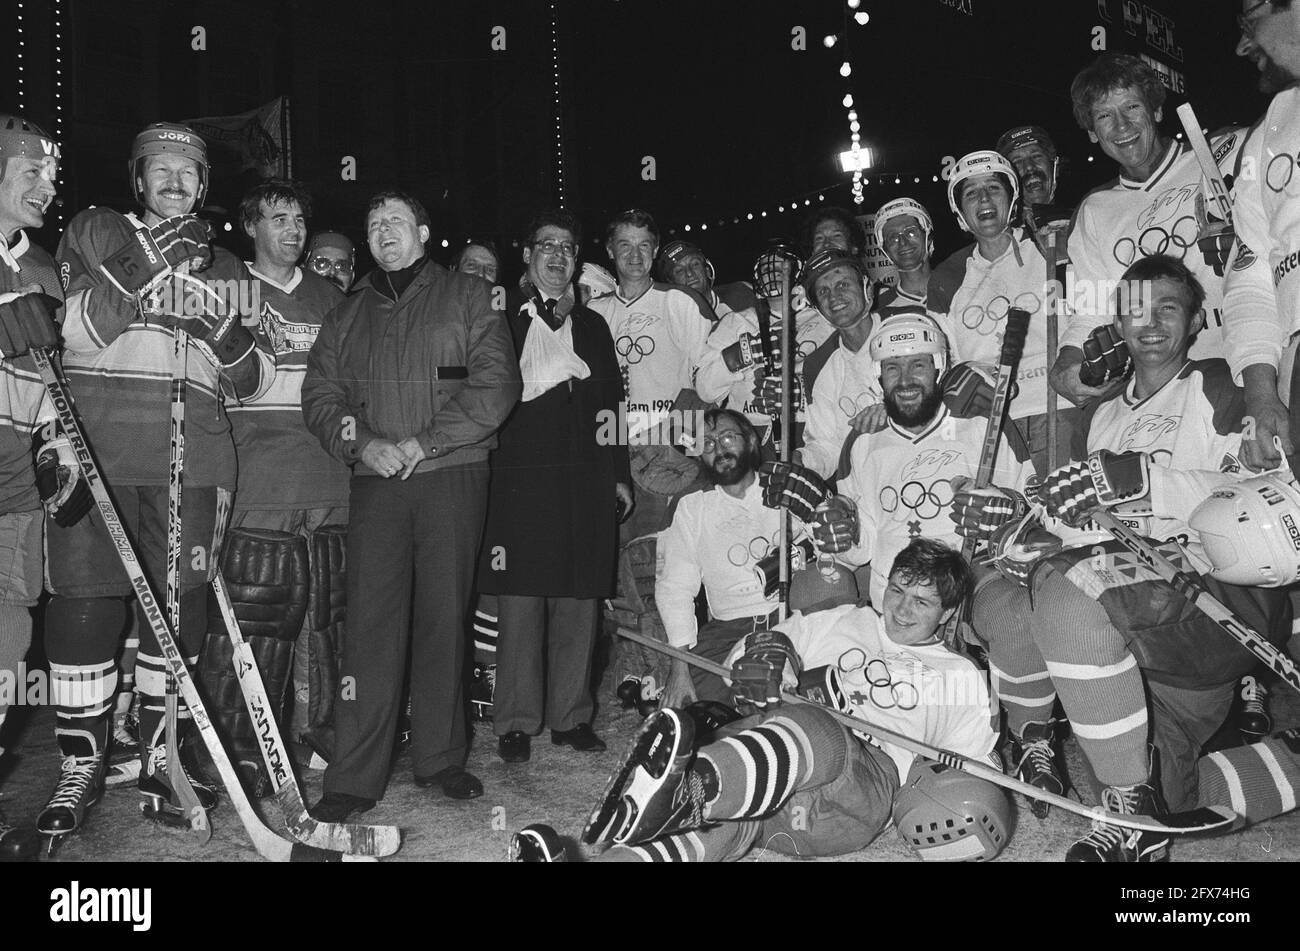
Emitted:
pixel 161 803
pixel 17 844
pixel 537 843
pixel 1109 843
pixel 1035 755
pixel 1253 721
pixel 123 750
pixel 481 690
pixel 81 783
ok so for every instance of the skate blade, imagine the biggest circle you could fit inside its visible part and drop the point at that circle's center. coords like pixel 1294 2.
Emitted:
pixel 160 811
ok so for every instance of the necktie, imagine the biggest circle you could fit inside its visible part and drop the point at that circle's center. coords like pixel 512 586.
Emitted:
pixel 548 314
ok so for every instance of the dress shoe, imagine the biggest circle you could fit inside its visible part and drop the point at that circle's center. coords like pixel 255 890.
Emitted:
pixel 455 783
pixel 515 747
pixel 581 738
pixel 339 806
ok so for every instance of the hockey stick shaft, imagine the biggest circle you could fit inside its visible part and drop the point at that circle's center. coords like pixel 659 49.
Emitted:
pixel 1206 819
pixel 353 839
pixel 1219 194
pixel 1053 288
pixel 1194 591
pixel 267 843
pixel 787 435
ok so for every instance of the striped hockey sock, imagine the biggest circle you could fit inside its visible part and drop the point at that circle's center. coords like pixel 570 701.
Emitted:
pixel 721 843
pixel 485 630
pixel 760 767
pixel 1258 781
pixel 1018 674
pixel 1097 678
pixel 82 696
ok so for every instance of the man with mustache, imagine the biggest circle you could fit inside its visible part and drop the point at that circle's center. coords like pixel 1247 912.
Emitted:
pixel 1032 153
pixel 1155 206
pixel 333 256
pixel 30 296
pixel 291 502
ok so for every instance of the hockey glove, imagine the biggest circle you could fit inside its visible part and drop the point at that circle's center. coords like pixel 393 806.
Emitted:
pixel 835 525
pixel 59 480
pixel 153 253
pixel 1215 243
pixel 968 390
pixel 27 323
pixel 1071 492
pixel 978 513
pixel 793 487
pixel 1018 546
pixel 197 309
pixel 768 664
pixel 742 354
pixel 1105 357
pixel 767 393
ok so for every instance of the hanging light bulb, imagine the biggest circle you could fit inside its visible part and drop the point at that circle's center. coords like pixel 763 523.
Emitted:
pixel 845 69
pixel 854 4
pixel 848 101
pixel 862 16
pixel 829 40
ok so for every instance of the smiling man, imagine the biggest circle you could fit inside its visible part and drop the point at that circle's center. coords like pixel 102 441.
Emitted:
pixel 1155 206
pixel 905 232
pixel 407 383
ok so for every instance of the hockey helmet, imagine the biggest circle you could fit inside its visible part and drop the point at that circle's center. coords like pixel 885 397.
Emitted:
pixel 1250 531
pixel 947 815
pixel 767 269
pixel 827 259
pixel 169 138
pixel 983 162
pixel 19 137
pixel 904 208
pixel 676 251
pixel 1022 135
pixel 908 332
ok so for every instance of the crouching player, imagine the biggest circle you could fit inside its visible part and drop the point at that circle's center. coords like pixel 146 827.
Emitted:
pixel 1093 625
pixel 791 777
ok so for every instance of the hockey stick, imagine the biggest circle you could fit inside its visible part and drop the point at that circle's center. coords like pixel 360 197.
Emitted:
pixel 787 436
pixel 1200 820
pixel 267 843
pixel 176 776
pixel 1219 194
pixel 1191 588
pixel 338 836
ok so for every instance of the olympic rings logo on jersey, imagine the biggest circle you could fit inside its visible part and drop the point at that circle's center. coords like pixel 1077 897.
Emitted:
pixel 1281 173
pixel 758 548
pixel 988 319
pixel 883 691
pixel 927 503
pixel 851 406
pixel 634 349
pixel 1156 240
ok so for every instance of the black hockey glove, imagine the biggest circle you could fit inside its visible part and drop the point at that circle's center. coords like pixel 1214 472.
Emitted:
pixel 1105 357
pixel 27 323
pixel 191 305
pixel 153 253
pixel 768 664
pixel 793 487
pixel 59 480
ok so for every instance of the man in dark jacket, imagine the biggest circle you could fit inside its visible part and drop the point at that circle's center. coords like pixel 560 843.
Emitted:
pixel 410 377
pixel 559 485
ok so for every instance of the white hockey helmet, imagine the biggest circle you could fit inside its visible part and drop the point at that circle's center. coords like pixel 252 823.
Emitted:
pixel 947 815
pixel 983 162
pixel 904 208
pixel 905 333
pixel 1250 531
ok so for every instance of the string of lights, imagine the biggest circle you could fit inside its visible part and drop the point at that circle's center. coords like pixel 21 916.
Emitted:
pixel 559 112
pixel 20 36
pixel 58 88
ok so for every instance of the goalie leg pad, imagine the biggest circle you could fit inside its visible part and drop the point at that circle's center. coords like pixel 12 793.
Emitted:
pixel 326 618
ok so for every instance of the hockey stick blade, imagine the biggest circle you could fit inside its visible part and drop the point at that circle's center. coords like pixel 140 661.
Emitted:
pixel 353 839
pixel 269 845
pixel 1192 589
pixel 1200 821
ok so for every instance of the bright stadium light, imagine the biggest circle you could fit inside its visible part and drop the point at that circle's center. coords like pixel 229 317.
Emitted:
pixel 865 158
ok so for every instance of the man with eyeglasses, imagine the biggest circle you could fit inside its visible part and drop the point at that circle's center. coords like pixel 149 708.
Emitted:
pixel 291 498
pixel 408 382
pixel 333 256
pixel 558 491
pixel 905 233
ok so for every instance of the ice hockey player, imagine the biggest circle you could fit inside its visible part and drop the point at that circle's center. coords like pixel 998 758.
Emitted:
pixel 1157 205
pixel 128 298
pixel 1096 628
pixel 741 368
pixel 905 232
pixel 1000 271
pixel 1032 153
pixel 30 297
pixel 685 264
pixel 283 561
pixel 791 777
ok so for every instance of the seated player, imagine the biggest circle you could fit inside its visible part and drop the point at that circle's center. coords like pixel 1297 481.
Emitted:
pixel 1096 628
pixel 793 778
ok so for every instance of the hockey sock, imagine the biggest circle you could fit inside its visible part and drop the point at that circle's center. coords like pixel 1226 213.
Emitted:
pixel 1018 674
pixel 126 669
pixel 1097 677
pixel 728 841
pixel 151 666
pixel 486 630
pixel 81 638
pixel 15 639
pixel 759 768
pixel 1258 781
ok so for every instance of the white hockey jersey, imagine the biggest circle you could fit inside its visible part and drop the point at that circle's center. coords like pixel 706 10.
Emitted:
pixel 924 692
pixel 1120 222
pixel 659 339
pixel 902 485
pixel 1262 288
pixel 716 384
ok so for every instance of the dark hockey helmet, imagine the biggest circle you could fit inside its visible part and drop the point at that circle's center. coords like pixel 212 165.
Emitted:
pixel 827 259
pixel 169 138
pixel 767 269
pixel 19 136
pixel 947 815
pixel 675 251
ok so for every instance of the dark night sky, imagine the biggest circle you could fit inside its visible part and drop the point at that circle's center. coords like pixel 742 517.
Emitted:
pixel 736 120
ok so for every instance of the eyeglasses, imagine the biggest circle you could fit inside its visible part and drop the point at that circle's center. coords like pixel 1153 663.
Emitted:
pixel 551 246
pixel 728 441
pixel 912 233
pixel 323 265
pixel 1246 23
